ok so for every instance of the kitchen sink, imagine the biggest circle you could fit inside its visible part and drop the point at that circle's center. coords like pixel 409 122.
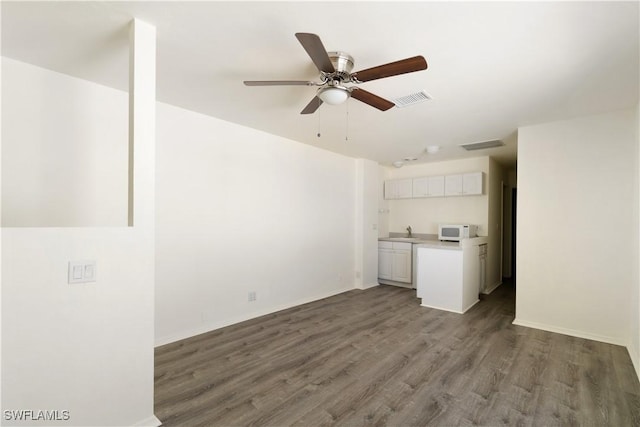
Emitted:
pixel 405 239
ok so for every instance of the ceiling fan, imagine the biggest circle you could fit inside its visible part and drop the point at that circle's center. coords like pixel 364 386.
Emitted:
pixel 335 71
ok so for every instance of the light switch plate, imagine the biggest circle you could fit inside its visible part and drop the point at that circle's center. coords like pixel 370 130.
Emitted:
pixel 82 271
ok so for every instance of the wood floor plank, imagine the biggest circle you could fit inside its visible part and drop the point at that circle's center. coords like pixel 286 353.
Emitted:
pixel 377 358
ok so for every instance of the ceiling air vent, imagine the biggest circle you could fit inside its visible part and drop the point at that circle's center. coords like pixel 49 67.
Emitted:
pixel 481 145
pixel 414 98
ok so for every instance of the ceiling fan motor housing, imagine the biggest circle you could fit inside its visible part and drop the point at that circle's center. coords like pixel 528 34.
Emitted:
pixel 343 64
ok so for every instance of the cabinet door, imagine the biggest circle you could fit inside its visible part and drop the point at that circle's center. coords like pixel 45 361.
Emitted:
pixel 385 267
pixel 453 185
pixel 436 186
pixel 405 188
pixel 398 189
pixel 472 183
pixel 401 266
pixel 390 190
pixel 420 187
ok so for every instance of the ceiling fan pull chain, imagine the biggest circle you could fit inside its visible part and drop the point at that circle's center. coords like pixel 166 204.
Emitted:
pixel 346 134
pixel 318 134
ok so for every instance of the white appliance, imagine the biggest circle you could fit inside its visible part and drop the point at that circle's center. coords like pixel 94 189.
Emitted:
pixel 456 232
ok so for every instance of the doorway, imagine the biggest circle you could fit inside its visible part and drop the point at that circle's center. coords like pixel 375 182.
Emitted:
pixel 509 203
pixel 514 205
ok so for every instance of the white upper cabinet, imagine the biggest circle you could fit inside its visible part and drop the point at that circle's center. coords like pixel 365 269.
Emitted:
pixel 453 185
pixel 398 189
pixel 462 184
pixel 466 184
pixel 472 183
pixel 431 186
pixel 436 186
pixel 421 187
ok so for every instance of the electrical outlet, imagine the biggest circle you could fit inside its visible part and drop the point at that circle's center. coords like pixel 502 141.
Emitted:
pixel 82 271
pixel 252 296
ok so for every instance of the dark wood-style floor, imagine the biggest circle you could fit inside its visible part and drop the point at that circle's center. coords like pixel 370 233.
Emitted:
pixel 376 357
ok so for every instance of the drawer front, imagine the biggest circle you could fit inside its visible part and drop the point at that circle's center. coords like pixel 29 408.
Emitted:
pixel 402 245
pixel 385 245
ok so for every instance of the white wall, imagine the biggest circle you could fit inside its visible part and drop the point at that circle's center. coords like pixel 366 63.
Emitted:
pixel 575 185
pixel 70 168
pixel 367 194
pixel 87 348
pixel 424 214
pixel 383 205
pixel 240 211
pixel 1 129
pixel 634 300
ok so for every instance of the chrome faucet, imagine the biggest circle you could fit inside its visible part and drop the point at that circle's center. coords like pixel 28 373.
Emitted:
pixel 409 230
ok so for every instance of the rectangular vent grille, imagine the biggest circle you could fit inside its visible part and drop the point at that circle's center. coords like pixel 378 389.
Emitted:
pixel 414 98
pixel 481 145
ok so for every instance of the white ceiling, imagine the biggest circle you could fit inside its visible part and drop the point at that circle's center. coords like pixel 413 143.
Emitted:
pixel 493 66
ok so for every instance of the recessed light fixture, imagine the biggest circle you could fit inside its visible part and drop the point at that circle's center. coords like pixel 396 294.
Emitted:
pixel 432 149
pixel 398 163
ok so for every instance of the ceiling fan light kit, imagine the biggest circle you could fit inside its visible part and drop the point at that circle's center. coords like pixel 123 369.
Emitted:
pixel 335 71
pixel 333 95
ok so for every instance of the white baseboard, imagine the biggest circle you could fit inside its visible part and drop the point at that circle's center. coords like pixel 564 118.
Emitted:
pixel 448 309
pixel 208 327
pixel 152 421
pixel 440 308
pixel 394 283
pixel 493 288
pixel 635 359
pixel 570 332
pixel 368 286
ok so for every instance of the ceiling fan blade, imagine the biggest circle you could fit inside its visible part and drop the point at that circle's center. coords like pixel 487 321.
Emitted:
pixel 314 47
pixel 312 106
pixel 409 65
pixel 371 99
pixel 278 83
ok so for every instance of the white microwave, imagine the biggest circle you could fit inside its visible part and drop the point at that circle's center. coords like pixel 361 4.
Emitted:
pixel 457 232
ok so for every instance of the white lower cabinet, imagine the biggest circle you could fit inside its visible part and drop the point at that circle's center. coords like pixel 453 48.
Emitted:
pixel 401 265
pixel 385 263
pixel 394 261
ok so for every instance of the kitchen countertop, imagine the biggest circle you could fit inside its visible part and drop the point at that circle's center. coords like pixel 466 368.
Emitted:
pixel 431 241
